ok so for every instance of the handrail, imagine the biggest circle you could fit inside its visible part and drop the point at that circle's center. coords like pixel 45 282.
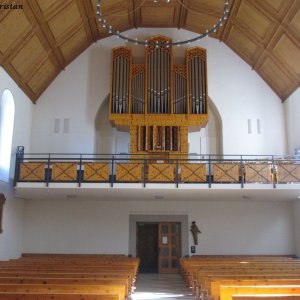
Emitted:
pixel 178 169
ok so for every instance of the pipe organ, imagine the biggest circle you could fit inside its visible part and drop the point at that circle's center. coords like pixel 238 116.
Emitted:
pixel 157 101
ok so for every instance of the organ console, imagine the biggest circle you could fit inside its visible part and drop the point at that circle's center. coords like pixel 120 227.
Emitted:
pixel 157 101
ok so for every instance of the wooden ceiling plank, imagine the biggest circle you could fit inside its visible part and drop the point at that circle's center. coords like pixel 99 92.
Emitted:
pixel 53 10
pixel 12 32
pixel 269 24
pixel 246 32
pixel 224 29
pixel 182 14
pixel 176 14
pixel 233 12
pixel 287 52
pixel 85 17
pixel 3 13
pixel 269 43
pixel 267 13
pixel 131 13
pixel 271 84
pixel 287 90
pixel 69 43
pixel 277 61
pixel 271 11
pixel 92 19
pixel 20 82
pixel 32 71
pixel 138 13
pixel 63 37
pixel 45 30
pixel 288 19
pixel 245 47
pixel 15 48
pixel 203 8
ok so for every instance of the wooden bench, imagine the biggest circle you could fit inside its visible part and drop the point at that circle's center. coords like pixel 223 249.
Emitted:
pixel 84 277
pixel 216 285
pixel 227 293
pixel 16 296
pixel 52 289
pixel 207 275
pixel 67 281
pixel 266 297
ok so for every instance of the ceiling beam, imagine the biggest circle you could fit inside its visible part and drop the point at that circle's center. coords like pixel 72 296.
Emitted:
pixel 233 6
pixel 41 23
pixel 131 13
pixel 182 14
pixel 89 15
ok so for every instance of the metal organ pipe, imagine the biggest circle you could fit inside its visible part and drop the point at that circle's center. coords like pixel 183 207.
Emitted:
pixel 113 88
pixel 200 85
pixel 191 87
pixel 197 83
pixel 118 84
pixel 204 86
pixel 159 78
pixel 165 81
pixel 190 78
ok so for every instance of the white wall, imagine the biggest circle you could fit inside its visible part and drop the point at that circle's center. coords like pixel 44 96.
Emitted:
pixel 296 210
pixel 238 93
pixel 108 138
pixel 12 223
pixel 209 139
pixel 76 94
pixel 91 226
pixel 292 106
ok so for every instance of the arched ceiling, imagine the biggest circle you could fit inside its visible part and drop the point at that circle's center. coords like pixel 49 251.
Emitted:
pixel 39 40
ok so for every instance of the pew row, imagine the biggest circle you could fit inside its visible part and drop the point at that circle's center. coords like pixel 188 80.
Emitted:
pixel 34 277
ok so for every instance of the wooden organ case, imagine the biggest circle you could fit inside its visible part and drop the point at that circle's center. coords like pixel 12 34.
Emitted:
pixel 157 101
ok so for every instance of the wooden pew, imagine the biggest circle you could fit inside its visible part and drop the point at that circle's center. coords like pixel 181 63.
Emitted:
pixel 105 277
pixel 194 271
pixel 227 292
pixel 266 297
pixel 203 273
pixel 52 289
pixel 216 285
pixel 67 281
pixel 16 296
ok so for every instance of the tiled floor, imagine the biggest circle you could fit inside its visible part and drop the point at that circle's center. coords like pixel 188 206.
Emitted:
pixel 161 286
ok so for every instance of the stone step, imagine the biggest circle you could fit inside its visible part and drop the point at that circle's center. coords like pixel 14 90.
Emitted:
pixel 161 286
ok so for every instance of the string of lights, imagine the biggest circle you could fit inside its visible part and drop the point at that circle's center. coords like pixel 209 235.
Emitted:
pixel 109 29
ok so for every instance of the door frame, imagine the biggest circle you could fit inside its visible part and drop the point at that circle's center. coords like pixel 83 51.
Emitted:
pixel 183 219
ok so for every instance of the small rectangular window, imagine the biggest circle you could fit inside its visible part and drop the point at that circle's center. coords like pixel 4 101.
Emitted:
pixel 56 125
pixel 258 121
pixel 66 125
pixel 249 126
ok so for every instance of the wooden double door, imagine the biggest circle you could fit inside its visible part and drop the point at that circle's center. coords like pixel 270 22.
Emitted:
pixel 159 246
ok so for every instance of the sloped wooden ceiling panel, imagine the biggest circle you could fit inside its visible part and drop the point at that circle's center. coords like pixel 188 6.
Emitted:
pixel 41 39
pixel 266 35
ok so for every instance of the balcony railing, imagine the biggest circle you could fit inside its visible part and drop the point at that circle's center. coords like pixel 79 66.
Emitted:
pixel 125 168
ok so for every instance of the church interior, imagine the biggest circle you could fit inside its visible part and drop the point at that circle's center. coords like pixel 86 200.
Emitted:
pixel 150 137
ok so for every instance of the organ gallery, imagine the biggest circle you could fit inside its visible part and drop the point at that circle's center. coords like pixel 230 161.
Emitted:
pixel 158 101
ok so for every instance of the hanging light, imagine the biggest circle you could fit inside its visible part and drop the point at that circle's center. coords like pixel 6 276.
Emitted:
pixel 109 29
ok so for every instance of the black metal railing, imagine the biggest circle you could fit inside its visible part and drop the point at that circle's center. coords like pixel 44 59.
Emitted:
pixel 176 169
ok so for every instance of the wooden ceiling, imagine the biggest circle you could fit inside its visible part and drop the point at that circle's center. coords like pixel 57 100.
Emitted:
pixel 39 40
